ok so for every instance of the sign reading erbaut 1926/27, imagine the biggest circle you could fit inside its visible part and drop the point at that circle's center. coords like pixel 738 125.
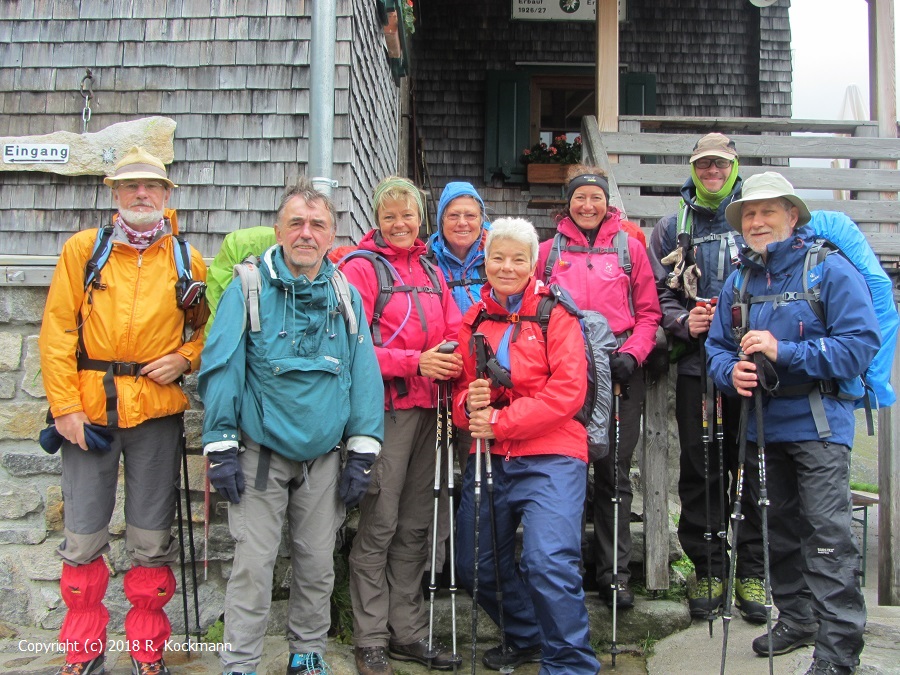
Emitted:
pixel 559 10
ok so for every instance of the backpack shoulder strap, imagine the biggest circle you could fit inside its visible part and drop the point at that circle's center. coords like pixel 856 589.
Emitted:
pixel 432 271
pixel 345 302
pixel 248 272
pixel 99 256
pixel 620 243
pixel 553 255
pixel 181 250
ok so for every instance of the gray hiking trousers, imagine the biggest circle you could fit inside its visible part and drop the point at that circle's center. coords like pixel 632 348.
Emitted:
pixel 391 550
pixel 814 556
pixel 310 501
pixel 151 452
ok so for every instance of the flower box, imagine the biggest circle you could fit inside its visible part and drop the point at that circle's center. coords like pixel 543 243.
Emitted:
pixel 550 174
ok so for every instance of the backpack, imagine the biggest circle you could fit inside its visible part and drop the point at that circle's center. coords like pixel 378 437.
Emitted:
pixel 249 274
pixel 386 275
pixel 599 343
pixel 837 233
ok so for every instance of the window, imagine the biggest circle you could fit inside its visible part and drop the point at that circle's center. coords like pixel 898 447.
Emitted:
pixel 523 107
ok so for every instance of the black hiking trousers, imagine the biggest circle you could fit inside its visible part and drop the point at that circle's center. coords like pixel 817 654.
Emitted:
pixel 692 486
pixel 815 556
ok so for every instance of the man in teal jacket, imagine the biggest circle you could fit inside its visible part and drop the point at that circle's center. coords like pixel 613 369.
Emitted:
pixel 280 402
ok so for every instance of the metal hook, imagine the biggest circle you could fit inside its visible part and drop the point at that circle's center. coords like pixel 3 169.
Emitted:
pixel 89 79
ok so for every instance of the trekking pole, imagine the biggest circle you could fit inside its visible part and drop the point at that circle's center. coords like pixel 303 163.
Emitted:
pixel 432 583
pixel 719 430
pixel 763 504
pixel 446 348
pixel 190 523
pixel 736 516
pixel 477 500
pixel 489 477
pixel 206 490
pixel 451 489
pixel 704 416
pixel 187 636
pixel 616 500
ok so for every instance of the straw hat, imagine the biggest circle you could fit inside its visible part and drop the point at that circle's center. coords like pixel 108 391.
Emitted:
pixel 768 185
pixel 136 164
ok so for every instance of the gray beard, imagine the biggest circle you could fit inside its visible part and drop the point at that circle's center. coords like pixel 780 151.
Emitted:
pixel 138 219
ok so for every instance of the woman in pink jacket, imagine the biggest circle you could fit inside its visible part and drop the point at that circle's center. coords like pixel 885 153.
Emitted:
pixel 539 462
pixel 606 270
pixel 390 550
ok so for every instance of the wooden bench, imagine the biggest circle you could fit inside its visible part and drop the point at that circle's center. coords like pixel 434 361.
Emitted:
pixel 861 503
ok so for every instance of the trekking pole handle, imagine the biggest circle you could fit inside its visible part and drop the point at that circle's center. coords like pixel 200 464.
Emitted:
pixel 707 301
pixel 448 347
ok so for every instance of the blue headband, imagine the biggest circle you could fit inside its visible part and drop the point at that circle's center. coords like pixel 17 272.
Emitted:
pixel 587 179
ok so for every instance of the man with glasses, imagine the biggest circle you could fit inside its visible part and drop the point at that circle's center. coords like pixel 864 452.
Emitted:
pixel 692 252
pixel 113 353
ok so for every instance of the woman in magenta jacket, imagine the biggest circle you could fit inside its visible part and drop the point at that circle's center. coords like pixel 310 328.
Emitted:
pixel 539 462
pixel 589 260
pixel 390 550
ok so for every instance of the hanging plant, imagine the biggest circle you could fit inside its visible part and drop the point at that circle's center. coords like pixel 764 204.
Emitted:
pixel 409 17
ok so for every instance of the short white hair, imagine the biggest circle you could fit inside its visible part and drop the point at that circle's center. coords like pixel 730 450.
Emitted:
pixel 516 229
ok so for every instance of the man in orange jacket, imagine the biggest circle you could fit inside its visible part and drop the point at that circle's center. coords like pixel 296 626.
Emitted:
pixel 113 353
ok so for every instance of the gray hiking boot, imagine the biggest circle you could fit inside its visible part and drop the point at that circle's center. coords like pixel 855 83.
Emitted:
pixel 823 667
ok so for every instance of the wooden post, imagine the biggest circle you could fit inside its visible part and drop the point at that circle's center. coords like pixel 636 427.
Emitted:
pixel 889 496
pixel 608 65
pixel 882 78
pixel 654 476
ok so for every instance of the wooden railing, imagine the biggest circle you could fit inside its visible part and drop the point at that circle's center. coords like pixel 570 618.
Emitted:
pixel 649 156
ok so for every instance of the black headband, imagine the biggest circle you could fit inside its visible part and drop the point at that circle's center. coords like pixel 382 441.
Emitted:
pixel 587 179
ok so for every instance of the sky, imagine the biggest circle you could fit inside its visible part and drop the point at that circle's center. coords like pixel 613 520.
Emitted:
pixel 830 42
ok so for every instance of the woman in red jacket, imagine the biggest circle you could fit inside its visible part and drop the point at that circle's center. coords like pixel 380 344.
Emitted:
pixel 539 466
pixel 605 270
pixel 390 550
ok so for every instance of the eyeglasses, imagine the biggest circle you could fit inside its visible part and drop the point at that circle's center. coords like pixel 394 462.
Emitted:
pixel 706 162
pixel 462 217
pixel 134 186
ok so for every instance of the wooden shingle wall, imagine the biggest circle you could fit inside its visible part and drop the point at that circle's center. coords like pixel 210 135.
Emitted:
pixel 368 152
pixel 706 55
pixel 233 74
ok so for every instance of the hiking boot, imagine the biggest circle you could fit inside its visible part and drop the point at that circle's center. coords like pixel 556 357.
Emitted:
pixel 93 667
pixel 750 599
pixel 823 667
pixel 624 595
pixel 784 639
pixel 307 664
pixel 495 659
pixel 440 657
pixel 155 668
pixel 706 599
pixel 372 661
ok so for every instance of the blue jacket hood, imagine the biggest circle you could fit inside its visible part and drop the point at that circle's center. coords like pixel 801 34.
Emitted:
pixel 451 192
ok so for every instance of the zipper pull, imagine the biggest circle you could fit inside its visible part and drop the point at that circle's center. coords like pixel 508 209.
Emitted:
pixel 140 260
pixel 506 459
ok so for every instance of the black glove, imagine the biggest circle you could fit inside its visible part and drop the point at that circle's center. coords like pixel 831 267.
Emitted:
pixel 355 477
pixel 621 366
pixel 225 474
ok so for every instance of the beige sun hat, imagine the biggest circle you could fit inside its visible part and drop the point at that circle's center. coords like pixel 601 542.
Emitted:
pixel 136 164
pixel 768 185
pixel 714 145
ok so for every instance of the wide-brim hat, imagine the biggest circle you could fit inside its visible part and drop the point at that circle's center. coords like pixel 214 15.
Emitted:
pixel 714 145
pixel 136 164
pixel 768 185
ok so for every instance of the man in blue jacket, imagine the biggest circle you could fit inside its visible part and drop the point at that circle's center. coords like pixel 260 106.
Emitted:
pixel 805 362
pixel 282 396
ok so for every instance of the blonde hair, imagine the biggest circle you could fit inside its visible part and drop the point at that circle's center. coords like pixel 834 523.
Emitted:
pixel 398 189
